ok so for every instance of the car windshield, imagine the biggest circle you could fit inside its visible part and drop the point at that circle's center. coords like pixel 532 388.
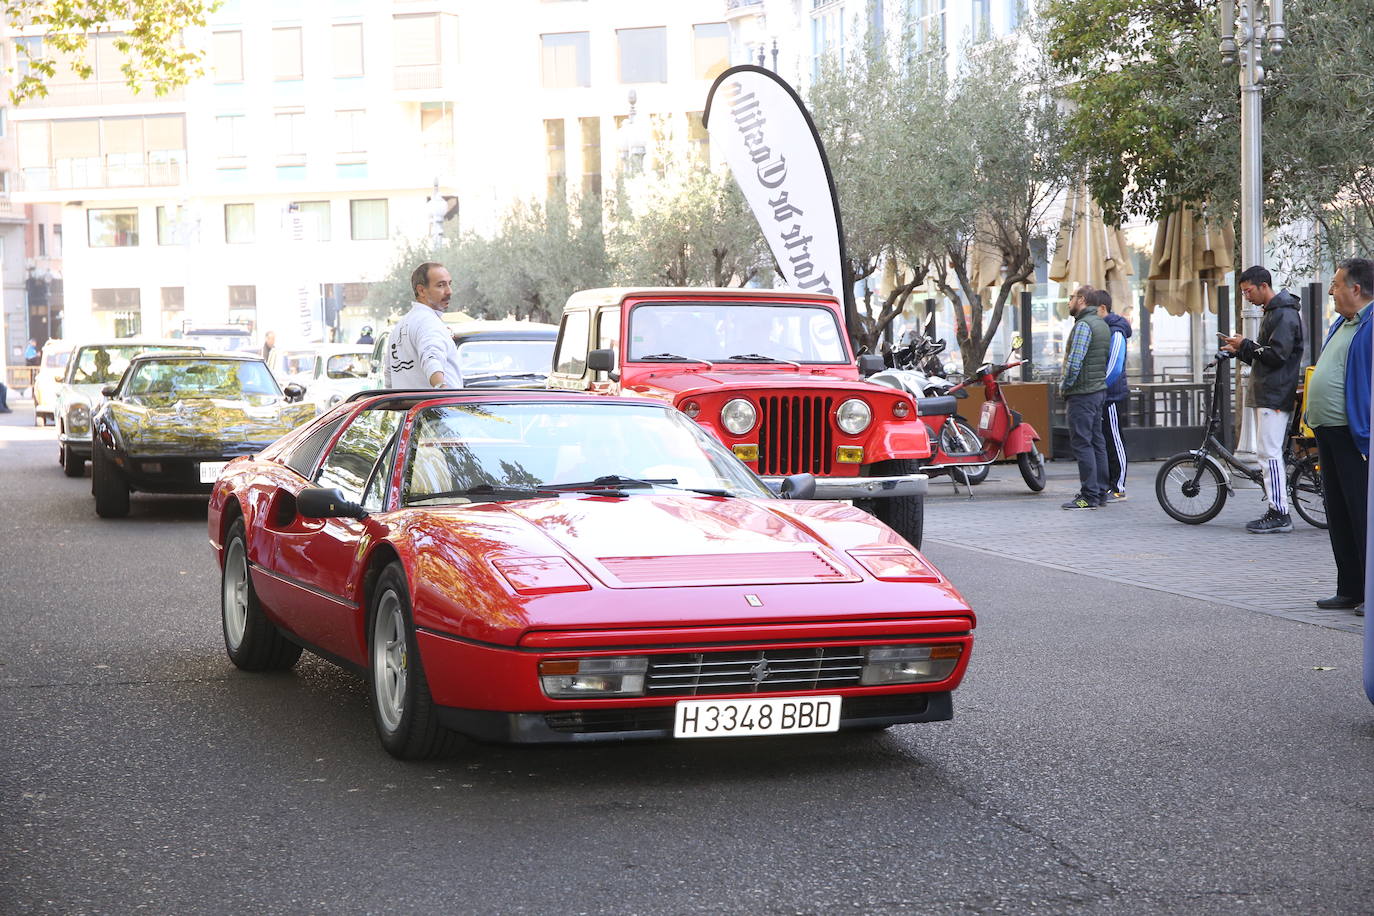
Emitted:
pixel 56 359
pixel 295 362
pixel 481 452
pixel 157 382
pixel 349 365
pixel 103 365
pixel 487 358
pixel 735 331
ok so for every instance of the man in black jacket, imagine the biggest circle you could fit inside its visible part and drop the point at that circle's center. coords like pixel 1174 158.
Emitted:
pixel 1276 363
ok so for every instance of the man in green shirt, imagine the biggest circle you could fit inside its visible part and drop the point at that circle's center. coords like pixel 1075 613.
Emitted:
pixel 1338 396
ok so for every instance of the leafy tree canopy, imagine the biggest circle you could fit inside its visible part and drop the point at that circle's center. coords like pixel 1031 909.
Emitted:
pixel 149 39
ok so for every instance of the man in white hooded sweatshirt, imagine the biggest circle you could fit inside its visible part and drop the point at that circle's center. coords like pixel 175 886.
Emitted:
pixel 421 352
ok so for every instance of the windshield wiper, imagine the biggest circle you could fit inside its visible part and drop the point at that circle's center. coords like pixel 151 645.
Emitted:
pixel 486 489
pixel 760 358
pixel 620 482
pixel 674 358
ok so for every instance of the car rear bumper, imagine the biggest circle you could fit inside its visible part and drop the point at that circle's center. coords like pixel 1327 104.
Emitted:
pixel 637 723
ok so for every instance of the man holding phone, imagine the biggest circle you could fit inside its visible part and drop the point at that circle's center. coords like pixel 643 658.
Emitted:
pixel 1275 360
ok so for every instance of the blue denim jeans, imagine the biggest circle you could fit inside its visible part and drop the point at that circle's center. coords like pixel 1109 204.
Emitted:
pixel 1089 445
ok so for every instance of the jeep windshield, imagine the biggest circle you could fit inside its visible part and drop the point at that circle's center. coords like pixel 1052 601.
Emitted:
pixel 739 332
pixel 492 452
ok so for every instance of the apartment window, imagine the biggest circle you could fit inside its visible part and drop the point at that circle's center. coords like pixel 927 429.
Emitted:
pixel 315 216
pixel 226 56
pixel 116 300
pixel 169 225
pixel 710 49
pixel 112 228
pixel 643 55
pixel 416 49
pixel 57 240
pixel 698 138
pixel 930 26
pixel 4 122
pixel 173 307
pixel 565 59
pixel 290 130
pixel 231 136
pixel 240 224
pixel 827 40
pixel 367 219
pixel 1016 11
pixel 42 241
pixel 351 129
pixel 286 54
pixel 348 49
pixel 243 304
pixel 591 156
pixel 982 24
pixel 555 142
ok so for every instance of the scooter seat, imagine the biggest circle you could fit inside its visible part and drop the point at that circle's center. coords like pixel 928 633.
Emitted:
pixel 943 406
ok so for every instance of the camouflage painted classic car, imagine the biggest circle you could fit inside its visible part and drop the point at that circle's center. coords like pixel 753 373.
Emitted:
pixel 175 419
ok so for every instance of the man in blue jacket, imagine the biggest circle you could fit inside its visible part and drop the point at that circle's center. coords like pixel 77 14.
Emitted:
pixel 1338 411
pixel 1118 390
pixel 1276 362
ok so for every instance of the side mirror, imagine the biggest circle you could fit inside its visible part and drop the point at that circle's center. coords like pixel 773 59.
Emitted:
pixel 321 502
pixel 601 360
pixel 108 391
pixel 870 363
pixel 798 486
pixel 294 392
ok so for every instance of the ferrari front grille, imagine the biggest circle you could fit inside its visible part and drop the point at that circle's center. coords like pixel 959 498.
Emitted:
pixel 795 435
pixel 691 674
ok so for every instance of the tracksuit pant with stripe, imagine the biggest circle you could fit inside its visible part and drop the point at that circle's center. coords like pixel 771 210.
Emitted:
pixel 1271 434
pixel 1112 412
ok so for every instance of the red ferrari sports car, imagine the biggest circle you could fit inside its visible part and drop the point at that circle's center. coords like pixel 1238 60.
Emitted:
pixel 536 566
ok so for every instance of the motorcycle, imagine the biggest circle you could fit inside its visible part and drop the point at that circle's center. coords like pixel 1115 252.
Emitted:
pixel 957 449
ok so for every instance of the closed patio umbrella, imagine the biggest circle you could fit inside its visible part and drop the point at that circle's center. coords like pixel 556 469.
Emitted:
pixel 1088 251
pixel 1192 254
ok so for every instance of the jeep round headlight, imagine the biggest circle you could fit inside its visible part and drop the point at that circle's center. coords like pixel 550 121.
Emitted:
pixel 854 416
pixel 79 418
pixel 738 416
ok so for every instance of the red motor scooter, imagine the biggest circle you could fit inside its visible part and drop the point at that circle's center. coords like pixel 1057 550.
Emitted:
pixel 1002 432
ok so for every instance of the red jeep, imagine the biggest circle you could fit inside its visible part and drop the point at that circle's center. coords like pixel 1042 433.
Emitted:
pixel 769 373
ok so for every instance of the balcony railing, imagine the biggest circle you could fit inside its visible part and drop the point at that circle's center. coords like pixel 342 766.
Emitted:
pixel 419 76
pixel 71 174
pixel 742 7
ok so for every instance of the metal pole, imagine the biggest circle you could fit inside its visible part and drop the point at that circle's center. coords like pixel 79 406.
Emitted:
pixel 1224 366
pixel 1316 328
pixel 1147 356
pixel 1027 348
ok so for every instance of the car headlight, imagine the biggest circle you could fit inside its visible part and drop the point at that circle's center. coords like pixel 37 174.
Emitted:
pixel 334 400
pixel 79 418
pixel 909 664
pixel 854 416
pixel 738 416
pixel 607 676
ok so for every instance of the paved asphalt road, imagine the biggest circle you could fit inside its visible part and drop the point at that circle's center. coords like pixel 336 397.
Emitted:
pixel 1114 749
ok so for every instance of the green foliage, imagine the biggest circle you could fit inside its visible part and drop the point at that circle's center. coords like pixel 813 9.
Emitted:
pixel 1157 114
pixel 941 177
pixel 693 229
pixel 151 41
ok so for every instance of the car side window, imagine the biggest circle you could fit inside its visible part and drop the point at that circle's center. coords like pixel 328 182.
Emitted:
pixel 349 464
pixel 374 497
pixel 306 454
pixel 608 337
pixel 571 358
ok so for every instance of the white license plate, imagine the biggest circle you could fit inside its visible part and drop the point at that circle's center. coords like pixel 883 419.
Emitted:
pixel 210 470
pixel 770 716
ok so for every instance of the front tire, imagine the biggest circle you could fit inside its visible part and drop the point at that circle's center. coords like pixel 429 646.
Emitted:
pixel 108 486
pixel 904 514
pixel 958 437
pixel 1305 492
pixel 252 642
pixel 1186 501
pixel 73 465
pixel 1032 466
pixel 398 692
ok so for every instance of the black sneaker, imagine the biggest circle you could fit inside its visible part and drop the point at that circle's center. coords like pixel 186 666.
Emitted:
pixel 1116 496
pixel 1079 502
pixel 1271 522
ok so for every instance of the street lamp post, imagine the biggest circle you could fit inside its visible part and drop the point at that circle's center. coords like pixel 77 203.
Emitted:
pixel 1246 26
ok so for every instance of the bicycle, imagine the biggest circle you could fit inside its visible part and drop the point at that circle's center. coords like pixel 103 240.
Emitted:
pixel 1192 486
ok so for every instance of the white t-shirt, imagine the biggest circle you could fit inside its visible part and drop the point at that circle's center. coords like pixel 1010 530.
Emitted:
pixel 419 346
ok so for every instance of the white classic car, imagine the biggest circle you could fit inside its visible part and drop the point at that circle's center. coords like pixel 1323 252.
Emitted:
pixel 337 371
pixel 92 366
pixel 52 366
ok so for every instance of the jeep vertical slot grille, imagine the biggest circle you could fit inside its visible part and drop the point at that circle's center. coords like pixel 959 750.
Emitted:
pixel 795 435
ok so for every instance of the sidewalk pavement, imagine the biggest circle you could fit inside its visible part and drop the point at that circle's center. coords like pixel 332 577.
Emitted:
pixel 1135 543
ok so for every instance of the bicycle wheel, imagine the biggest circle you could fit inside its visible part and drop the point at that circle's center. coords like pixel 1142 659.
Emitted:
pixel 1305 492
pixel 1190 489
pixel 958 437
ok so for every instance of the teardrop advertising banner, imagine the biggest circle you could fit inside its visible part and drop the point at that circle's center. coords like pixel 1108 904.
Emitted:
pixel 773 149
